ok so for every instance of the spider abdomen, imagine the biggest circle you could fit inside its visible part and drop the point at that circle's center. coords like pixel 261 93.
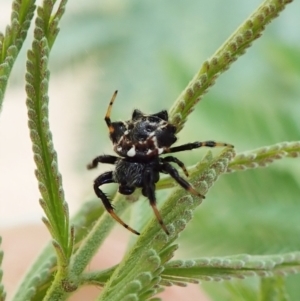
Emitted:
pixel 128 173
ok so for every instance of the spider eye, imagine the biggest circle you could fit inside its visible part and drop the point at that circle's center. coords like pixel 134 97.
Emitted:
pixel 152 119
pixel 149 128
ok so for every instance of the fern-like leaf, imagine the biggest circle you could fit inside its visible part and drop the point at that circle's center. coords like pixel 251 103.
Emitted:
pixel 11 43
pixel 49 178
pixel 273 288
pixel 261 157
pixel 226 268
pixel 94 239
pixel 229 52
pixel 264 156
pixel 153 248
pixel 40 276
pixel 2 291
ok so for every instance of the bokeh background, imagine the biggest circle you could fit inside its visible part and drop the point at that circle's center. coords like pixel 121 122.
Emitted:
pixel 149 50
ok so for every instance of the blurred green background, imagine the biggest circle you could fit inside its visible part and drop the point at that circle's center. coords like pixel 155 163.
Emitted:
pixel 149 50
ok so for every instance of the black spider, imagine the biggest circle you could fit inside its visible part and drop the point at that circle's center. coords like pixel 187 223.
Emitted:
pixel 139 142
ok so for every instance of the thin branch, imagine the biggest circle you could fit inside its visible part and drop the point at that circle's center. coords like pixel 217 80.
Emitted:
pixel 263 157
pixel 226 268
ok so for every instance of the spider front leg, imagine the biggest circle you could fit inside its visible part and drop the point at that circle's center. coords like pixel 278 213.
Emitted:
pixel 108 112
pixel 102 159
pixel 148 190
pixel 106 178
pixel 197 144
pixel 168 168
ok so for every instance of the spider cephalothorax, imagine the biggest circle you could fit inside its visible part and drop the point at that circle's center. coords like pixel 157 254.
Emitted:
pixel 143 136
pixel 139 142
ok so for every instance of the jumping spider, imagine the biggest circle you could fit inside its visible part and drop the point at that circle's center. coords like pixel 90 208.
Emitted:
pixel 139 142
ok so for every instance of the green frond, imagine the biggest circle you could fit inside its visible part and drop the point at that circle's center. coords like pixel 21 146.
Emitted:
pixel 264 156
pixel 46 264
pixel 273 288
pixel 2 291
pixel 45 157
pixel 35 286
pixel 229 52
pixel 261 157
pixel 154 247
pixel 229 267
pixel 11 43
pixel 94 239
pixel 147 267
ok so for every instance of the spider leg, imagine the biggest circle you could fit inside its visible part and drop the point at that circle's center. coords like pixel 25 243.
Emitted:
pixel 177 161
pixel 168 168
pixel 149 191
pixel 108 112
pixel 102 159
pixel 106 178
pixel 190 146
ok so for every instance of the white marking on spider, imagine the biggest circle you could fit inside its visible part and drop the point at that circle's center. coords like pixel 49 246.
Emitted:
pixel 121 139
pixel 119 148
pixel 160 151
pixel 154 139
pixel 131 152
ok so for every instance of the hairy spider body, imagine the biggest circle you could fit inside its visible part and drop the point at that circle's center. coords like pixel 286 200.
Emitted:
pixel 143 136
pixel 139 142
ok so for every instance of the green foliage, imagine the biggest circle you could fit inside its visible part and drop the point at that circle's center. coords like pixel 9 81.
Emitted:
pixel 2 292
pixel 48 176
pixel 264 156
pixel 234 47
pixel 261 157
pixel 238 266
pixel 273 289
pixel 11 43
pixel 148 267
pixel 154 248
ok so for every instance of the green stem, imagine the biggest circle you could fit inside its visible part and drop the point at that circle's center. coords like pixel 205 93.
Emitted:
pixel 149 252
pixel 264 156
pixel 95 238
